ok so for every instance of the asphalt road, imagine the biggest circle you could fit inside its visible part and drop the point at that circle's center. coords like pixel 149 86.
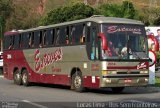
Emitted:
pixel 53 96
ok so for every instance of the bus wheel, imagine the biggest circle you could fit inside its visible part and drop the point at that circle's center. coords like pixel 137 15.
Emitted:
pixel 77 82
pixel 17 77
pixel 25 78
pixel 117 89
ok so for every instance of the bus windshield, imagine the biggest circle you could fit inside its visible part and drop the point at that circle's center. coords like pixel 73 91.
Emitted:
pixel 125 42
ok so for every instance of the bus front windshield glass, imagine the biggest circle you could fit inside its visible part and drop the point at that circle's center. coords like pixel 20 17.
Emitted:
pixel 125 42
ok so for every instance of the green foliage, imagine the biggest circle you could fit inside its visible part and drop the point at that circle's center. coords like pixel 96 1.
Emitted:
pixel 157 21
pixel 5 12
pixel 124 10
pixel 23 17
pixel 5 8
pixel 67 13
pixel 150 16
pixel 157 82
pixel 128 10
pixel 158 56
pixel 112 10
pixel 22 14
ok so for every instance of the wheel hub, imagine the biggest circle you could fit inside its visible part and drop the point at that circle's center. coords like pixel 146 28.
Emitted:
pixel 24 78
pixel 77 81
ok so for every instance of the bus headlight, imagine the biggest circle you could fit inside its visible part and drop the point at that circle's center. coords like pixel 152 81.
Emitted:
pixel 143 72
pixel 104 72
pixel 108 80
pixel 113 72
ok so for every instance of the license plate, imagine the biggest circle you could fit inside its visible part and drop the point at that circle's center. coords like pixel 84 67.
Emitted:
pixel 127 80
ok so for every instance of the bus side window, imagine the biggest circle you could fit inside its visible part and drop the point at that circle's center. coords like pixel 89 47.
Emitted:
pixel 11 42
pixel 72 35
pixel 62 36
pixel 50 37
pixel 44 38
pixel 78 33
pixel 7 42
pixel 57 36
pixel 40 39
pixel 16 42
pixel 22 41
pixel 67 35
pixel 36 38
pixel 31 39
pixel 83 36
pixel 25 40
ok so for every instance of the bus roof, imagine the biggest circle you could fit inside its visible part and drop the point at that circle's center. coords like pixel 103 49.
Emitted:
pixel 11 33
pixel 96 19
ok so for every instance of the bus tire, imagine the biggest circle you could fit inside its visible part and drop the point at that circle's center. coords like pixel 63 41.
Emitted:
pixel 25 78
pixel 77 82
pixel 17 77
pixel 117 89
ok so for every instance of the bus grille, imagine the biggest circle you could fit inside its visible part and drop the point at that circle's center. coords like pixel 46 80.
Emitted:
pixel 128 72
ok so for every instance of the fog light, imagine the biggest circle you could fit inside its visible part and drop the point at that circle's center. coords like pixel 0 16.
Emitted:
pixel 146 80
pixel 108 80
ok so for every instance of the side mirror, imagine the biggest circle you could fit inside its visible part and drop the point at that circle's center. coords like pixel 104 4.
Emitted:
pixel 104 41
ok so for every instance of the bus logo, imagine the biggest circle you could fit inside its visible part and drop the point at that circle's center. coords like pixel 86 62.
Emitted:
pixel 141 65
pixel 46 59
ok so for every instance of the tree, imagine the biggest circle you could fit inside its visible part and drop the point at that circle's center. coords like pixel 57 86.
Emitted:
pixel 22 18
pixel 150 16
pixel 67 13
pixel 125 10
pixel 5 12
pixel 112 10
pixel 128 10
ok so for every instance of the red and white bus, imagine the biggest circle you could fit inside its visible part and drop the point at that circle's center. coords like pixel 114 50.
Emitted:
pixel 96 52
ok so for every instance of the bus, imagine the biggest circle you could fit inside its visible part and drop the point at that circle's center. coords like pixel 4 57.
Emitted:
pixel 96 52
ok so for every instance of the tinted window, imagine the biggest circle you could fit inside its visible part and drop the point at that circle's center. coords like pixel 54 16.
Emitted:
pixel 25 40
pixel 7 42
pixel 31 39
pixel 62 36
pixel 50 37
pixel 37 38
pixel 11 42
pixel 78 34
pixel 16 42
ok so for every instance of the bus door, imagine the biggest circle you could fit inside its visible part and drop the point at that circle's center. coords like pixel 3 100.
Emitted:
pixel 95 66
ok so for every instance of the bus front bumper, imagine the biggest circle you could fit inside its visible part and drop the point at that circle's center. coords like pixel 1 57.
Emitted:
pixel 124 81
